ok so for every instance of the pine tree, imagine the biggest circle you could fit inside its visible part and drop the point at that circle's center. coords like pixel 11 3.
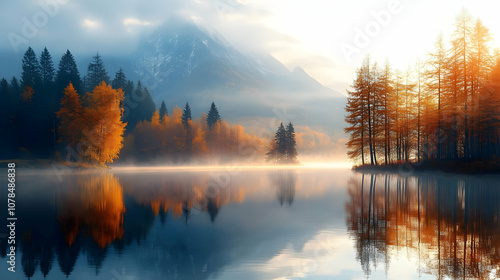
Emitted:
pixel 277 148
pixel 46 102
pixel 163 110
pixel 4 95
pixel 15 89
pixel 96 73
pixel 47 71
pixel 186 115
pixel 68 72
pixel 4 107
pixel 147 105
pixel 120 81
pixel 291 143
pixel 140 105
pixel 213 116
pixel 8 107
pixel 30 76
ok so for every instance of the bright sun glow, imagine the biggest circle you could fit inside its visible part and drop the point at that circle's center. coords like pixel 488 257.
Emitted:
pixel 320 27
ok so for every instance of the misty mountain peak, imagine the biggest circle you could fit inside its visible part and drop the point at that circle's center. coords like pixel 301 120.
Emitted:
pixel 179 60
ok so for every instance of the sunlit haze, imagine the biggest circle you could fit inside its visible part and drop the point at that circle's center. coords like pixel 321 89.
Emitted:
pixel 309 34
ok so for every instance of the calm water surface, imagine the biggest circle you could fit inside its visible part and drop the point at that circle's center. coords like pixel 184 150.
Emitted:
pixel 253 224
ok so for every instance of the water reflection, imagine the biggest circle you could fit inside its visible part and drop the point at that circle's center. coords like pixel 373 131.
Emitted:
pixel 285 182
pixel 93 215
pixel 449 226
pixel 96 204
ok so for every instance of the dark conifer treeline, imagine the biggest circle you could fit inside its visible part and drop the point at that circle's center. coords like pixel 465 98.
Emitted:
pixel 28 106
pixel 446 108
pixel 56 114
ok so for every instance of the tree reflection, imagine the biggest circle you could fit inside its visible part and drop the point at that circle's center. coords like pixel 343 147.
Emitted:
pixel 180 194
pixel 450 225
pixel 97 204
pixel 285 182
pixel 93 215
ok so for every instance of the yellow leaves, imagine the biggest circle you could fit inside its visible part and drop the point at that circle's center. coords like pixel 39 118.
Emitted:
pixel 97 127
pixel 199 143
pixel 169 138
pixel 97 204
pixel 70 116
pixel 155 119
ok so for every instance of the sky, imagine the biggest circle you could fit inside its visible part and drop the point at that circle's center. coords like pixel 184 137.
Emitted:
pixel 328 38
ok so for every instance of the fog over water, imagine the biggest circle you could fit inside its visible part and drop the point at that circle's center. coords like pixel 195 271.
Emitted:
pixel 253 223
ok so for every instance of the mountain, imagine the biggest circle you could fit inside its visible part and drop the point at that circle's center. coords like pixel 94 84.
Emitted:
pixel 180 62
pixel 180 59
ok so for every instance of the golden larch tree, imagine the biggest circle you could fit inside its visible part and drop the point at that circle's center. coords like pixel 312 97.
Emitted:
pixel 70 117
pixel 103 115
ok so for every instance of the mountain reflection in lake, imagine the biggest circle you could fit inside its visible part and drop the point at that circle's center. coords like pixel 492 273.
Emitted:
pixel 282 224
pixel 447 226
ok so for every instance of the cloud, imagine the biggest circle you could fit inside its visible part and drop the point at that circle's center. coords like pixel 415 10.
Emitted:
pixel 90 23
pixel 242 24
pixel 135 21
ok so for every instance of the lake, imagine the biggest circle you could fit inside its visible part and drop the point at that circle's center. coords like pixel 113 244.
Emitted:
pixel 253 223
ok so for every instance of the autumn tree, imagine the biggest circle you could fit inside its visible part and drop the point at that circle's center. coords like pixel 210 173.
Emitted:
pixel 168 139
pixel 443 109
pixel 362 112
pixel 480 66
pixel 103 116
pixel 99 131
pixel 435 83
pixel 355 119
pixel 460 54
pixel 71 117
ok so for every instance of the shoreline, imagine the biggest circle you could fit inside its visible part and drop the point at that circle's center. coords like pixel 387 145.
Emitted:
pixel 468 167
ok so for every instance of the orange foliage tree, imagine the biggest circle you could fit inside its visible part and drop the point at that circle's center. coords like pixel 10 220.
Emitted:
pixel 96 126
pixel 169 139
pixel 446 108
